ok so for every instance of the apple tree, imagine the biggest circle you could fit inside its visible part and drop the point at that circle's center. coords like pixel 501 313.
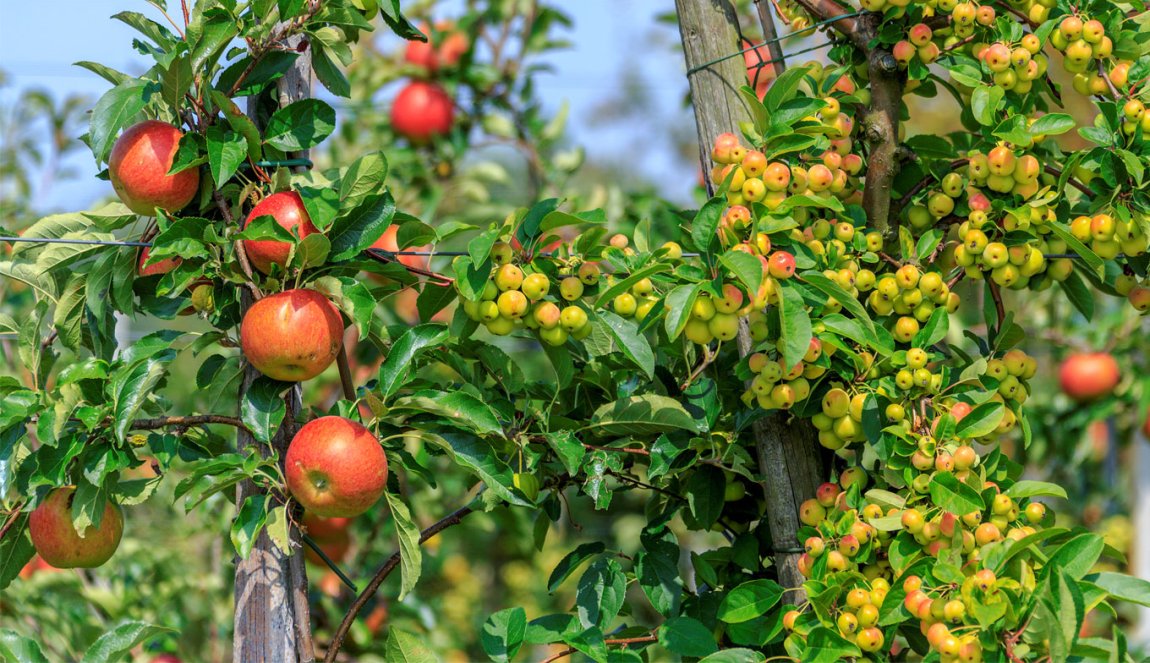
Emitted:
pixel 822 368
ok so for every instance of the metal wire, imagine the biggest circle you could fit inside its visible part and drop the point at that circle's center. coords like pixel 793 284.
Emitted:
pixel 811 28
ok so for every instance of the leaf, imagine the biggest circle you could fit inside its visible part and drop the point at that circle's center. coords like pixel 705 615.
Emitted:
pixel 404 647
pixel 250 519
pixel 460 407
pixel 950 494
pixel 744 267
pixel 502 634
pixel 130 389
pixel 300 126
pixel 569 449
pixel 176 80
pixel 1079 294
pixel 1088 256
pixel 832 289
pixel 796 325
pixel 634 345
pixel 686 636
pixel 572 561
pixel 477 456
pixel 410 554
pixel 329 75
pixel 826 646
pixel 389 10
pixel 120 640
pixel 404 351
pixel 103 71
pixel 642 415
pixel 226 151
pixel 625 284
pixel 657 570
pixel 980 421
pixel 112 112
pixel 934 330
pixel 705 489
pixel 1030 488
pixel 749 600
pixel 984 103
pixel 734 655
pixel 18 649
pixel 354 232
pixel 1122 587
pixel 1052 124
pixel 263 407
pixel 705 226
pixel 364 177
pixel 600 593
pixel 678 305
pixel 70 315
pixel 1077 556
pixel 15 551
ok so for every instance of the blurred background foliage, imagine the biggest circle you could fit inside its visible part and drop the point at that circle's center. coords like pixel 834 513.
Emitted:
pixel 508 148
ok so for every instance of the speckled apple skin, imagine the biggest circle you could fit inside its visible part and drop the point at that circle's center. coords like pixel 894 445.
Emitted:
pixel 292 336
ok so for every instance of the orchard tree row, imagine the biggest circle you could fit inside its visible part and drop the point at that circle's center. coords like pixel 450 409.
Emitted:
pixel 812 304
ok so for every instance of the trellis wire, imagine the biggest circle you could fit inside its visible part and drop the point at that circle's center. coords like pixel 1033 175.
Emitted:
pixel 752 47
pixel 449 254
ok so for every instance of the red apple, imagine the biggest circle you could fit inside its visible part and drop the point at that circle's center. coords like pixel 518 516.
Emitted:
pixel 1088 376
pixel 167 658
pixel 335 467
pixel 292 336
pixel 61 545
pixel 138 168
pixel 422 111
pixel 422 53
pixel 430 55
pixel 760 75
pixel 162 266
pixel 454 44
pixel 388 241
pixel 288 210
pixel 34 566
pixel 324 528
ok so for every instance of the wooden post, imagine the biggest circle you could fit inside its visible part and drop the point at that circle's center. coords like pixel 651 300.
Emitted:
pixel 787 452
pixel 272 620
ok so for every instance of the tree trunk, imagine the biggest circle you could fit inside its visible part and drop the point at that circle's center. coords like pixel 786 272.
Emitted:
pixel 272 620
pixel 787 451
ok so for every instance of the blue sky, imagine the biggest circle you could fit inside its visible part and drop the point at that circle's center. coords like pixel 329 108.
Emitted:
pixel 39 43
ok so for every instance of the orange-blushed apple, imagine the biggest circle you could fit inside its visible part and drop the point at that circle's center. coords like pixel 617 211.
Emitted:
pixel 422 111
pixel 1088 376
pixel 286 207
pixel 138 168
pixel 58 542
pixel 162 266
pixel 335 468
pixel 292 336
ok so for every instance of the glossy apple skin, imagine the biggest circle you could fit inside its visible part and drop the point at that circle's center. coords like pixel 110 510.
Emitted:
pixel 162 266
pixel 1087 376
pixel 60 545
pixel 335 468
pixel 422 111
pixel 138 167
pixel 291 336
pixel 288 210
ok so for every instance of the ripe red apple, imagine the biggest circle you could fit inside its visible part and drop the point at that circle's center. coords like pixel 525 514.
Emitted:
pixel 455 44
pixel 159 267
pixel 61 545
pixel 292 336
pixel 288 210
pixel 422 53
pixel 324 528
pixel 760 75
pixel 335 467
pixel 422 111
pixel 388 241
pixel 1087 376
pixel 139 164
pixel 431 55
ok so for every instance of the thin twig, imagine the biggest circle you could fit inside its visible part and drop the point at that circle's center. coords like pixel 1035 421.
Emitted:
pixel 241 253
pixel 708 358
pixel 996 295
pixel 613 641
pixel 1071 181
pixel 372 587
pixel 385 257
pixel 345 374
pixel 625 450
pixel 922 184
pixel 194 420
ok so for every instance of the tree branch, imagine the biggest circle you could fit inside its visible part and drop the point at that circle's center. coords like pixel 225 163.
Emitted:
pixel 825 10
pixel 771 36
pixel 372 587
pixel 613 641
pixel 196 420
pixel 1071 181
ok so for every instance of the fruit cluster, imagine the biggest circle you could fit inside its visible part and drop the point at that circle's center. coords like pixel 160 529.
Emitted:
pixel 1016 66
pixel 1084 43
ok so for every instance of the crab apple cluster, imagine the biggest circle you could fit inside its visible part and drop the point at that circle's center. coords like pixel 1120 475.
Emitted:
pixel 1014 66
pixel 913 296
pixel 514 298
pixel 776 387
pixel 1083 43
pixel 1135 117
pixel 840 421
pixel 1108 236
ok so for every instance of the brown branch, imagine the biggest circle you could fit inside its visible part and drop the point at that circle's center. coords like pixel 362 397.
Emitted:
pixel 708 358
pixel 345 374
pixel 613 641
pixel 826 10
pixel 996 295
pixel 887 258
pixel 15 515
pixel 241 253
pixel 372 587
pixel 383 257
pixel 187 15
pixel 195 420
pixel 626 450
pixel 1071 181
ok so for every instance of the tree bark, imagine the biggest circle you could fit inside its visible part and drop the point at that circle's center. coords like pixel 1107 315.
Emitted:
pixel 787 451
pixel 272 619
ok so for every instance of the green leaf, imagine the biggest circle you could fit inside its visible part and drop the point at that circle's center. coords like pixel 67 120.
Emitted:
pixel 1122 587
pixel 569 449
pixel 300 126
pixel 984 103
pixel 1029 488
pixel 1077 556
pixel 657 570
pixel 634 345
pixel 980 421
pixel 735 655
pixel 130 390
pixel 686 636
pixel 176 80
pixel 934 330
pixel 625 284
pixel 15 550
pixel 572 561
pixel 70 315
pixel 103 71
pixel 749 600
pixel 950 494
pixel 705 227
pixel 748 269
pixel 705 489
pixel 832 289
pixel 410 554
pixel 1088 256
pixel 354 232
pixel 250 519
pixel 226 151
pixel 678 306
pixel 1079 294
pixel 642 415
pixel 827 646
pixel 263 407
pixel 118 642
pixel 460 407
pixel 1052 124
pixel 389 10
pixel 404 647
pixel 403 352
pixel 113 111
pixel 502 634
pixel 600 593
pixel 477 456
pixel 796 325
pixel 328 73
pixel 18 649
pixel 160 35
pixel 364 177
